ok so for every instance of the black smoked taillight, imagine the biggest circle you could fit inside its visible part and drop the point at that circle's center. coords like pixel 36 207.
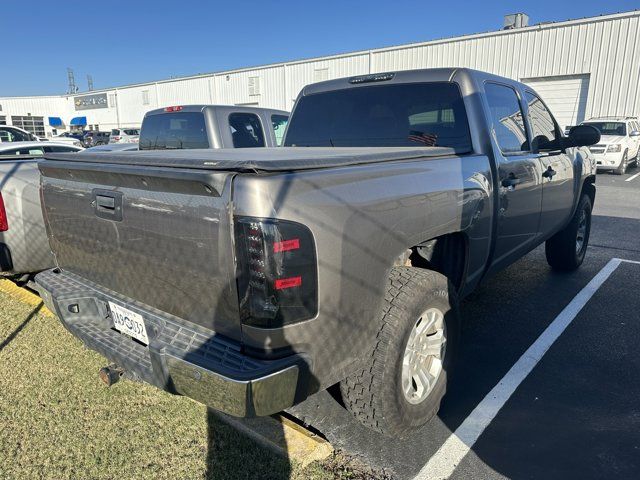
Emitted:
pixel 277 273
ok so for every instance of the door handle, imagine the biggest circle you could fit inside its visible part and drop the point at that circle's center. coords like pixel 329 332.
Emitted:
pixel 511 181
pixel 107 204
pixel 549 173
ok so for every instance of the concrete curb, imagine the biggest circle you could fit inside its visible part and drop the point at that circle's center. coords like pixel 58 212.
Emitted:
pixel 276 433
pixel 24 295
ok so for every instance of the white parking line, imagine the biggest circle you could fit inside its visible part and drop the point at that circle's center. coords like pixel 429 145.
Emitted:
pixel 633 177
pixel 454 449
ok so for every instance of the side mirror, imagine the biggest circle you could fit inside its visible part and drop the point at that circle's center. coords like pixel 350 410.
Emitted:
pixel 635 133
pixel 583 136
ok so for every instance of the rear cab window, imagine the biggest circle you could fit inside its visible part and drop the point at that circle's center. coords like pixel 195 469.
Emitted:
pixel 177 130
pixel 246 130
pixel 430 114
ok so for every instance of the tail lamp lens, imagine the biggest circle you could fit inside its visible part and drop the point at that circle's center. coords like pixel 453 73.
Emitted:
pixel 276 272
pixel 4 224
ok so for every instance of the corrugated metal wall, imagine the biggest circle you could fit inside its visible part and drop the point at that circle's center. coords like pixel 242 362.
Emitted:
pixel 606 48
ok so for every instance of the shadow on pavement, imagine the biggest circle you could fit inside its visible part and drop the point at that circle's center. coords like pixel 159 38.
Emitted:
pixel 19 328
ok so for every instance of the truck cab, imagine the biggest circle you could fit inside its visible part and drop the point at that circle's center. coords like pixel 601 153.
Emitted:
pixel 212 126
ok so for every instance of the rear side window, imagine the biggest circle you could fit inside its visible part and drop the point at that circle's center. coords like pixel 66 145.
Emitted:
pixel 57 148
pixel 391 115
pixel 506 118
pixel 279 123
pixel 174 131
pixel 115 131
pixel 132 131
pixel 246 130
pixel 36 151
pixel 13 135
pixel 543 126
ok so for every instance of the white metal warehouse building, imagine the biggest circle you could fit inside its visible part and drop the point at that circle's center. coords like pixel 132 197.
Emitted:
pixel 581 68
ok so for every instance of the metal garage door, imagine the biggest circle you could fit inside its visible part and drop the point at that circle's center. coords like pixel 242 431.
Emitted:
pixel 566 96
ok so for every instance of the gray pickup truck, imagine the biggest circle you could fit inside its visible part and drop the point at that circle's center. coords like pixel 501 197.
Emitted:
pixel 212 126
pixel 250 279
pixel 24 247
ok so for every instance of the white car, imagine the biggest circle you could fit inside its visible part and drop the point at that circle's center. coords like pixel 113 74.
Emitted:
pixel 125 135
pixel 9 133
pixel 66 137
pixel 35 148
pixel 619 143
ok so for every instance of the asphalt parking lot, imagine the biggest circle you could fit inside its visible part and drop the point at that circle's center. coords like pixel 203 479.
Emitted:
pixel 574 411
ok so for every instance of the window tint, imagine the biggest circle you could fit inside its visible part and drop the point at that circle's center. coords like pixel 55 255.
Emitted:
pixel 279 123
pixel 507 118
pixel 59 149
pixel 543 126
pixel 609 128
pixel 174 131
pixel 393 115
pixel 132 131
pixel 35 151
pixel 13 135
pixel 115 131
pixel 246 130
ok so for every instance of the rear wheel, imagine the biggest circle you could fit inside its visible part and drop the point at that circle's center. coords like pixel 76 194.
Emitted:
pixel 406 377
pixel 622 169
pixel 566 249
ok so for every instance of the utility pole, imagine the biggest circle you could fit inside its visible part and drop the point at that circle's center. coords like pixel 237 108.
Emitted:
pixel 72 82
pixel 90 82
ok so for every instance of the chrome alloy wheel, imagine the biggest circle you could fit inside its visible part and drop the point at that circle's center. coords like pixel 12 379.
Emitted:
pixel 582 232
pixel 423 356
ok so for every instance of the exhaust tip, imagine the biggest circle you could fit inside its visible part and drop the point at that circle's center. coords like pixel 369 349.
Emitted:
pixel 110 374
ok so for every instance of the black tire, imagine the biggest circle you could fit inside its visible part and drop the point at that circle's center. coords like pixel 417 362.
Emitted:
pixel 374 395
pixel 562 249
pixel 622 169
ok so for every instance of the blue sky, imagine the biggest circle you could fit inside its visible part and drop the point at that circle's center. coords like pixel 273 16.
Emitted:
pixel 136 41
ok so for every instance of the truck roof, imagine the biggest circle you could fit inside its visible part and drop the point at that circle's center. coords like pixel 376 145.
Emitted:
pixel 275 159
pixel 201 107
pixel 404 76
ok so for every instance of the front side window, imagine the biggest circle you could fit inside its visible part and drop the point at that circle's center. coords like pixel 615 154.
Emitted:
pixel 279 123
pixel 246 130
pixel 506 118
pixel 543 126
pixel 177 130
pixel 384 115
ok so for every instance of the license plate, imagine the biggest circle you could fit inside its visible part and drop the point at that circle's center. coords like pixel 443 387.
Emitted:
pixel 129 323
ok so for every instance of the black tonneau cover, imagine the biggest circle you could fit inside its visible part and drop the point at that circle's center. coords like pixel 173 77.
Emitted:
pixel 256 159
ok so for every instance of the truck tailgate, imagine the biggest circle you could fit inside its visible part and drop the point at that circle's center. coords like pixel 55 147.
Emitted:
pixel 161 236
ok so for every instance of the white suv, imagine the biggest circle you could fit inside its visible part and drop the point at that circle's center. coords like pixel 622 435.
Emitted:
pixel 619 143
pixel 124 135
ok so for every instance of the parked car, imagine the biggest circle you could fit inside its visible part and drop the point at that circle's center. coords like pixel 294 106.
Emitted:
pixel 94 138
pixel 250 279
pixel 71 138
pixel 24 248
pixel 9 133
pixel 619 146
pixel 113 147
pixel 212 126
pixel 124 135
